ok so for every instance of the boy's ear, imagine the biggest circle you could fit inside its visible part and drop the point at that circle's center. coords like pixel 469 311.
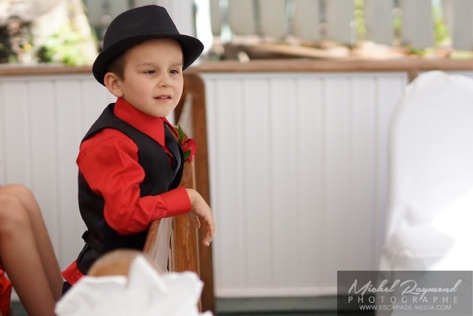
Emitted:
pixel 112 82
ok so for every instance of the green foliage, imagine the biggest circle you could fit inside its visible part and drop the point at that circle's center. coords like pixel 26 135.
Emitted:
pixel 397 27
pixel 359 15
pixel 15 42
pixel 63 47
pixel 441 35
pixel 180 132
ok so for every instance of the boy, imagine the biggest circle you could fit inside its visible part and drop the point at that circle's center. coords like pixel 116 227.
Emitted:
pixel 130 164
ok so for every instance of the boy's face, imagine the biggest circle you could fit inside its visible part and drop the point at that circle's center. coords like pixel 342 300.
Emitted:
pixel 152 79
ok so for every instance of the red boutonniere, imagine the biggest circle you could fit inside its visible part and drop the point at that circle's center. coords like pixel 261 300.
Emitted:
pixel 188 146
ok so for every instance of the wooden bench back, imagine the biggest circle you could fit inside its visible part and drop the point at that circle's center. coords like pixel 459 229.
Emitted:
pixel 174 243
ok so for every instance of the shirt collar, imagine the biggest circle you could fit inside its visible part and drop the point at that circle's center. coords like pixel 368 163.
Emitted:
pixel 150 125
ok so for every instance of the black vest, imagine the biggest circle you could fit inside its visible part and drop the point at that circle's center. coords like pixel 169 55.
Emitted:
pixel 160 176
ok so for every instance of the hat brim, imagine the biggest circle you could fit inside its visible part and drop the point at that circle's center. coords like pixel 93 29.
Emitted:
pixel 191 50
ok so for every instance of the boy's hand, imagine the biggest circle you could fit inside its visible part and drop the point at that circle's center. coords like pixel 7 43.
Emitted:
pixel 200 209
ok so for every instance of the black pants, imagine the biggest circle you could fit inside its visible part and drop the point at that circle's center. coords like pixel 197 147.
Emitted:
pixel 65 287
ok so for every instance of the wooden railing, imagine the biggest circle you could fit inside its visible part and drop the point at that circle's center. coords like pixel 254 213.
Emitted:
pixel 176 238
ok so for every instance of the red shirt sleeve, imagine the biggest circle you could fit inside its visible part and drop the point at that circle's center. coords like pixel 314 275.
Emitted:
pixel 109 163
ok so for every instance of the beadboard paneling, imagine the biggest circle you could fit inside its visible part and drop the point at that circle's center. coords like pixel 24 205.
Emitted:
pixel 43 119
pixel 298 177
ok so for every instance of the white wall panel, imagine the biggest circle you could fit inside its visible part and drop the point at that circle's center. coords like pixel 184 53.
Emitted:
pixel 255 146
pixel 297 183
pixel 42 120
pixel 309 161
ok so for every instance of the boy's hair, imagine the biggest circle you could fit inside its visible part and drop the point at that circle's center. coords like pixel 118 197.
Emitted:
pixel 117 65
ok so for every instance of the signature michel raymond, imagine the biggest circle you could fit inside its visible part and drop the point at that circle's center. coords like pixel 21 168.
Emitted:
pixel 406 287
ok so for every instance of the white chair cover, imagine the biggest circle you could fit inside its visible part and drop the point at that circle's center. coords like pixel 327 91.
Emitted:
pixel 144 292
pixel 431 176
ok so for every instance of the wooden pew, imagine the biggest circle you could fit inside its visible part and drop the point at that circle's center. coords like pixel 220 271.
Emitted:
pixel 185 251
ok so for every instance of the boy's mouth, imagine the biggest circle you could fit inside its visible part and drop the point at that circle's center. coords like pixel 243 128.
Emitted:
pixel 163 97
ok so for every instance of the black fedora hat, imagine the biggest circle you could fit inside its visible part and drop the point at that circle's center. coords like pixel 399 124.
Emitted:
pixel 137 25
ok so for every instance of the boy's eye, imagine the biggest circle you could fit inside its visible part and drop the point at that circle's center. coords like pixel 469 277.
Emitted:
pixel 150 72
pixel 175 71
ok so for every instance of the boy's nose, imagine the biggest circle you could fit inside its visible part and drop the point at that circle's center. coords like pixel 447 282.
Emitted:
pixel 165 81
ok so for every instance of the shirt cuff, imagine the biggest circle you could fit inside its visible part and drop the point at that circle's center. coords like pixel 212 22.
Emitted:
pixel 177 202
pixel 72 274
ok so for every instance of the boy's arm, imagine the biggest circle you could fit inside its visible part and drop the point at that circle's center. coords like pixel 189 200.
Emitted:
pixel 109 163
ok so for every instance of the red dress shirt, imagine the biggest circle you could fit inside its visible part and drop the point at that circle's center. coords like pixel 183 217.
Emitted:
pixel 109 163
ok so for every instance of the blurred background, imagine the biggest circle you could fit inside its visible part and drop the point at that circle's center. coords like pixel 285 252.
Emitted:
pixel 71 31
